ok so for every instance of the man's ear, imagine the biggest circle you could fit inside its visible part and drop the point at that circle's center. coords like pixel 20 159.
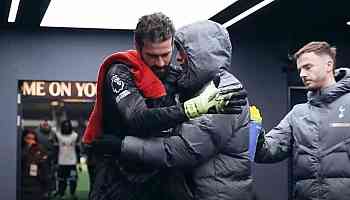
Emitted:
pixel 330 65
pixel 137 45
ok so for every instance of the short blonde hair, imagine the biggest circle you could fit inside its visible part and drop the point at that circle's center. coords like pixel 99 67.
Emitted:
pixel 319 48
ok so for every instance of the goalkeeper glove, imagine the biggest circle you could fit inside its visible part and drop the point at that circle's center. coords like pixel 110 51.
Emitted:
pixel 211 100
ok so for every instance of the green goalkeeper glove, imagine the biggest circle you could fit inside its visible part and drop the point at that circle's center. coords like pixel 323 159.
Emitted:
pixel 212 100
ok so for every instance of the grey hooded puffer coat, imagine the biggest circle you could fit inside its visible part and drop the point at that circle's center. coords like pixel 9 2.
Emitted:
pixel 213 148
pixel 318 135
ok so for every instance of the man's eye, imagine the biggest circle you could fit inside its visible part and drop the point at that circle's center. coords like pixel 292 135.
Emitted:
pixel 307 67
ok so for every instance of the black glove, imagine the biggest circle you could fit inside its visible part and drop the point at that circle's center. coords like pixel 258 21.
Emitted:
pixel 235 97
pixel 107 145
pixel 261 140
pixel 174 73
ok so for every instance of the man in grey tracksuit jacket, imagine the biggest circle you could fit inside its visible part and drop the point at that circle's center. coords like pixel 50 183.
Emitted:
pixel 317 133
pixel 212 150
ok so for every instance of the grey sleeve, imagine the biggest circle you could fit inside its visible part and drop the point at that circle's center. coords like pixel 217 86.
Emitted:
pixel 276 143
pixel 195 144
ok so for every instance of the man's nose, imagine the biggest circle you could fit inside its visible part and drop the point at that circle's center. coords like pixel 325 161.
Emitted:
pixel 302 73
pixel 160 62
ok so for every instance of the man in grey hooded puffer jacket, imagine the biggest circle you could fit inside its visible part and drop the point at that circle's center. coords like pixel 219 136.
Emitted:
pixel 211 150
pixel 317 133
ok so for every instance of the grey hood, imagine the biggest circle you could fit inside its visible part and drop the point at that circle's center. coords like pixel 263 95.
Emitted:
pixel 208 49
pixel 330 94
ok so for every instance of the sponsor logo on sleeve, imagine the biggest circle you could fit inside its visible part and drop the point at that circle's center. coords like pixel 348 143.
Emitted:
pixel 122 95
pixel 341 112
pixel 340 125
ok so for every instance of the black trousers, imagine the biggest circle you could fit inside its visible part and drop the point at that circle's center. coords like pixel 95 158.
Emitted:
pixel 67 174
pixel 111 183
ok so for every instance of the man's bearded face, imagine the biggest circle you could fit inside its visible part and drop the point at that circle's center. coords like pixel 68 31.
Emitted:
pixel 157 56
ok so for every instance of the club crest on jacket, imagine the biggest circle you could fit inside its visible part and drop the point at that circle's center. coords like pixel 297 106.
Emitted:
pixel 117 84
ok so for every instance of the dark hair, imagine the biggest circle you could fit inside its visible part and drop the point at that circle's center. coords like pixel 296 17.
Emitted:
pixel 319 48
pixel 66 124
pixel 27 131
pixel 155 27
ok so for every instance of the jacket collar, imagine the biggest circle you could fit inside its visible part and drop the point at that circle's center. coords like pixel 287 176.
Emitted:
pixel 333 92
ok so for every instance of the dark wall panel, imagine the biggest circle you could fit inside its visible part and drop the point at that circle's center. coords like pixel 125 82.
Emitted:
pixel 258 64
pixel 44 55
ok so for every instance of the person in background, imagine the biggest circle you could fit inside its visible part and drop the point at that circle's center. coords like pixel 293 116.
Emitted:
pixel 68 159
pixel 48 140
pixel 34 176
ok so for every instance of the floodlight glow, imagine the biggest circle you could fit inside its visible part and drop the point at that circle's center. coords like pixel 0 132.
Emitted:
pixel 247 12
pixel 112 14
pixel 13 10
pixel 348 23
